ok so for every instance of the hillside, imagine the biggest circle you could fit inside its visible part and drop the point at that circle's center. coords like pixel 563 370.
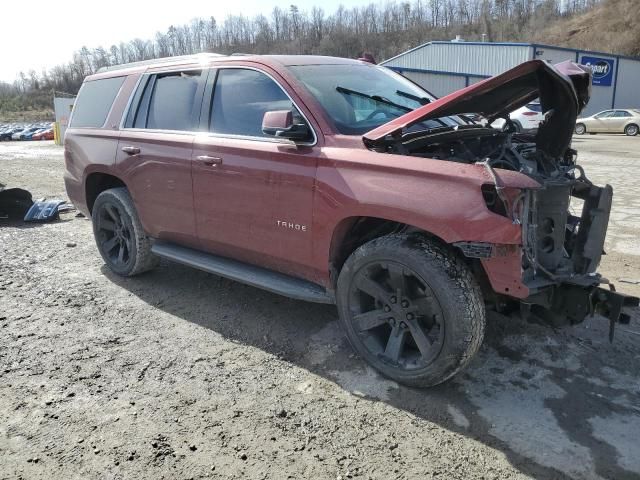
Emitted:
pixel 383 29
pixel 612 26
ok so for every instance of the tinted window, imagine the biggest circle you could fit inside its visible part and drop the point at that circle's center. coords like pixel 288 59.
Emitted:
pixel 536 107
pixel 621 113
pixel 172 102
pixel 94 102
pixel 240 100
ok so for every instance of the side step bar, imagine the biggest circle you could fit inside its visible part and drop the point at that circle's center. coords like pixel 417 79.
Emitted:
pixel 274 282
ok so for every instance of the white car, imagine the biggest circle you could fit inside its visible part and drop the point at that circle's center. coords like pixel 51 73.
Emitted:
pixel 526 119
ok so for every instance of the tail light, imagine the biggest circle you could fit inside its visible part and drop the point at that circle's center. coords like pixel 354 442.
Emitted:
pixel 529 114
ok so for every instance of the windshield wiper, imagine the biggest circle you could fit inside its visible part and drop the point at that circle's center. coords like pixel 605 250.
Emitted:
pixel 416 98
pixel 375 98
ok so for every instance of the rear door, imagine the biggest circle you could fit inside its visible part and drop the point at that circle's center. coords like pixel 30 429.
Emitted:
pixel 619 120
pixel 253 193
pixel 154 152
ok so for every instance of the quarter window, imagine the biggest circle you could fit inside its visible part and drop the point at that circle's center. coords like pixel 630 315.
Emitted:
pixel 240 99
pixel 94 102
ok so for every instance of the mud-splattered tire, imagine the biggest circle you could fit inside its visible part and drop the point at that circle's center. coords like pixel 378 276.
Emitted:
pixel 411 308
pixel 121 241
pixel 580 129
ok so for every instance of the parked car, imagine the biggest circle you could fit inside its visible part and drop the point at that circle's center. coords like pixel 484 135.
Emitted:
pixel 29 135
pixel 525 119
pixel 610 121
pixel 24 134
pixel 8 133
pixel 338 181
pixel 46 134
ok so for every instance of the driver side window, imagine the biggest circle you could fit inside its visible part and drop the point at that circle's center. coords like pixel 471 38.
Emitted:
pixel 240 99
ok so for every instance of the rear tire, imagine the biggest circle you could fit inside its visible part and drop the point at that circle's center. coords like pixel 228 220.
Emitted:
pixel 581 129
pixel 120 238
pixel 631 130
pixel 411 308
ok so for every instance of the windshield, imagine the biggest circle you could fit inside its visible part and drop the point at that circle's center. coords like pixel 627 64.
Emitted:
pixel 359 98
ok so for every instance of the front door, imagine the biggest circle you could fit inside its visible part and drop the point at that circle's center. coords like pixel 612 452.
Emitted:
pixel 602 122
pixel 253 193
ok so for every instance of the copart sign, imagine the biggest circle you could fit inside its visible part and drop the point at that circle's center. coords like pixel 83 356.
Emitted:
pixel 602 69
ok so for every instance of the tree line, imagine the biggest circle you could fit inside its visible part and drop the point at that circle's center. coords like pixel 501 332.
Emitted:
pixel 383 30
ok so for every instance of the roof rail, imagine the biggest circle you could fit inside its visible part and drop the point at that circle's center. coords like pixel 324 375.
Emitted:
pixel 156 61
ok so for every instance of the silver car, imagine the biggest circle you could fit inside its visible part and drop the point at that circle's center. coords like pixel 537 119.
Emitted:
pixel 610 121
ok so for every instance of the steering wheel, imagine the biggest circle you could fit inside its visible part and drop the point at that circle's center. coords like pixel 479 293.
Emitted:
pixel 376 112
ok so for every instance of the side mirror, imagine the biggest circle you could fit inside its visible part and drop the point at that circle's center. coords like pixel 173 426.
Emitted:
pixel 279 123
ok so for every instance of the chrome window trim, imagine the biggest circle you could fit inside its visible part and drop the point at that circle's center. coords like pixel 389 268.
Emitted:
pixel 282 141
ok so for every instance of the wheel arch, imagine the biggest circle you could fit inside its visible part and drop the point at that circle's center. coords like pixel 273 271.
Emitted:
pixel 97 182
pixel 354 231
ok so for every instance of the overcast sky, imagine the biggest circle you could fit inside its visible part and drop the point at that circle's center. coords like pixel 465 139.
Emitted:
pixel 40 34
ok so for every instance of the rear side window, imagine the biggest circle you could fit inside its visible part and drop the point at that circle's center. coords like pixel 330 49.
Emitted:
pixel 621 113
pixel 172 102
pixel 94 102
pixel 240 100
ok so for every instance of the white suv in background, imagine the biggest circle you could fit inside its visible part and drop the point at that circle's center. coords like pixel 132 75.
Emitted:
pixel 526 119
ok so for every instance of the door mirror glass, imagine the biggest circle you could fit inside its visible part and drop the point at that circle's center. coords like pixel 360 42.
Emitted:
pixel 280 123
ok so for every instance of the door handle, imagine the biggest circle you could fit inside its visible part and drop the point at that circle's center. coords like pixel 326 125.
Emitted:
pixel 131 150
pixel 208 160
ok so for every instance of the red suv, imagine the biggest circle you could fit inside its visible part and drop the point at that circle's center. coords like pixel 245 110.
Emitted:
pixel 334 180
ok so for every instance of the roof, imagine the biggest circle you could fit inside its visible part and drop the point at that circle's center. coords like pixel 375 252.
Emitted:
pixel 510 44
pixel 208 59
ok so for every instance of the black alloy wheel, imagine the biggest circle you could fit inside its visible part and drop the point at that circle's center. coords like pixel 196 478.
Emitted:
pixel 114 235
pixel 396 315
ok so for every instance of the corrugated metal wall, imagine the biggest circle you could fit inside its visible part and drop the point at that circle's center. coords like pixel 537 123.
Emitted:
pixel 439 85
pixel 450 66
pixel 479 59
pixel 628 88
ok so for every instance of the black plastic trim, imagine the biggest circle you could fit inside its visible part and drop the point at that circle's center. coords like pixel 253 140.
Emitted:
pixel 259 277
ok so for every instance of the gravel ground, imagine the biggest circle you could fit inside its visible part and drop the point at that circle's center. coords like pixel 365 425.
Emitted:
pixel 180 374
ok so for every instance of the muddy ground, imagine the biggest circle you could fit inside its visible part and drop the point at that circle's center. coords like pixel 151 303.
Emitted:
pixel 180 374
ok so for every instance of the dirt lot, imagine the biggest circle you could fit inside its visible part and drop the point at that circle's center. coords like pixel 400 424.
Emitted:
pixel 181 374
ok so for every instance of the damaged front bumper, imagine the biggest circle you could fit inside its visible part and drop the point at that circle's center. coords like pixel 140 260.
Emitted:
pixel 573 303
pixel 559 264
pixel 553 273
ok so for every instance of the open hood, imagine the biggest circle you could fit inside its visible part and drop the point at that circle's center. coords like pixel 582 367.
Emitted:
pixel 563 89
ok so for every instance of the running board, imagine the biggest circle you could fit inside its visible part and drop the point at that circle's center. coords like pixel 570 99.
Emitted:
pixel 274 282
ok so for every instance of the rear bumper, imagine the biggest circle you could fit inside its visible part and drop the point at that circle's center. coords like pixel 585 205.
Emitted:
pixel 75 192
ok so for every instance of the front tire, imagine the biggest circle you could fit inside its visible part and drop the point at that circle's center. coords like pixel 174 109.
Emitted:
pixel 581 129
pixel 411 308
pixel 120 238
pixel 631 130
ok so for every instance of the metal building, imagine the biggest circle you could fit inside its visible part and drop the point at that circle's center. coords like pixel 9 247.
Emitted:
pixel 443 67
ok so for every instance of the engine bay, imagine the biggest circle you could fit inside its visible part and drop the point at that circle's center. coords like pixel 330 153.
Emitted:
pixel 498 149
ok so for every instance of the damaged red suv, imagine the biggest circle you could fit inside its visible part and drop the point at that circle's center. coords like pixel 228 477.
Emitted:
pixel 338 181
